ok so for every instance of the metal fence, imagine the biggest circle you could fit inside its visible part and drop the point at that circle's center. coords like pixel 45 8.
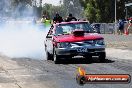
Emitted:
pixel 109 28
pixel 104 28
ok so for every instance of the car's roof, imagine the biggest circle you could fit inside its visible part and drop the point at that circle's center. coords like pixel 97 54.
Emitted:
pixel 71 22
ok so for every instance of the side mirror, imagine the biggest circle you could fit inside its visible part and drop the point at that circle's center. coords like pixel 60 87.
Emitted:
pixel 49 36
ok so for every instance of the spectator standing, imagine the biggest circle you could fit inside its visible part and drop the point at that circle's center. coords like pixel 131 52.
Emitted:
pixel 70 18
pixel 43 18
pixel 121 27
pixel 57 18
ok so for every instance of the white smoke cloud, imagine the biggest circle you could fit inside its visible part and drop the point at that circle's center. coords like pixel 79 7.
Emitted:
pixel 18 36
pixel 22 40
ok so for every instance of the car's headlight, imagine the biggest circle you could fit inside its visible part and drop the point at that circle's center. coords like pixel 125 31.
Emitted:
pixel 63 45
pixel 100 42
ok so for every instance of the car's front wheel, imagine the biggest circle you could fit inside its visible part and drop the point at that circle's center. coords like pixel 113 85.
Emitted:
pixel 48 55
pixel 55 56
pixel 102 57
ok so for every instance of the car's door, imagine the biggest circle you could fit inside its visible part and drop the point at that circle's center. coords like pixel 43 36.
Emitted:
pixel 49 44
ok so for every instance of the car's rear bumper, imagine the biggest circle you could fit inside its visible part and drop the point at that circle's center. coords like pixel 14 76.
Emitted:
pixel 74 52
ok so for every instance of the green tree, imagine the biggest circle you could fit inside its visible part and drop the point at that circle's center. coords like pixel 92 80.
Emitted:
pixel 50 10
pixel 74 7
pixel 103 10
pixel 90 13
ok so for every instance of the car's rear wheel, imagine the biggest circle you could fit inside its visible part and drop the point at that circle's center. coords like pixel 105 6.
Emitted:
pixel 102 57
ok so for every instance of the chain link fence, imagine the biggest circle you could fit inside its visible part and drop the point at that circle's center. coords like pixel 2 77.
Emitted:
pixel 109 28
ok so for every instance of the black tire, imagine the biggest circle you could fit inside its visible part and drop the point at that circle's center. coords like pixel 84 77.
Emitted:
pixel 102 57
pixel 48 55
pixel 56 57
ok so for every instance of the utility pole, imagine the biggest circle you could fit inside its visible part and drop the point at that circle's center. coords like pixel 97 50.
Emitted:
pixel 115 19
pixel 40 4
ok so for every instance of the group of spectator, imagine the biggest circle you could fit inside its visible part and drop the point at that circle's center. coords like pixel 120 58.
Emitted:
pixel 57 19
pixel 70 17
pixel 121 26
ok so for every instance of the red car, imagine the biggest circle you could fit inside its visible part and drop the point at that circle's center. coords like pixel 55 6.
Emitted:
pixel 69 39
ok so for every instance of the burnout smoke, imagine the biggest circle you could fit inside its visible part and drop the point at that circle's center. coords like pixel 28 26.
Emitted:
pixel 18 36
pixel 22 40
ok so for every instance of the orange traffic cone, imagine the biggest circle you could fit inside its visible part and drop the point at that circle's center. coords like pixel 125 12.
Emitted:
pixel 126 32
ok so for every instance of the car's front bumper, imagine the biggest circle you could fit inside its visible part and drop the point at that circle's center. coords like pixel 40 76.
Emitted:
pixel 95 51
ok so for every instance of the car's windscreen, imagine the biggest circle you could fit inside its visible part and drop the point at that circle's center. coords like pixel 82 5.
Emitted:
pixel 68 28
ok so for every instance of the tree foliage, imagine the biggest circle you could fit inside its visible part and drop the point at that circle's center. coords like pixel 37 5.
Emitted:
pixel 69 6
pixel 50 10
pixel 74 7
pixel 18 8
pixel 103 10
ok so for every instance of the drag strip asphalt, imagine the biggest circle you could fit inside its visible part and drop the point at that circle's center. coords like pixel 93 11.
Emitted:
pixel 31 73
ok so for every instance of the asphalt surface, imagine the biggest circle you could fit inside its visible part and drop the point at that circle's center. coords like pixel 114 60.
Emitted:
pixel 118 41
pixel 31 73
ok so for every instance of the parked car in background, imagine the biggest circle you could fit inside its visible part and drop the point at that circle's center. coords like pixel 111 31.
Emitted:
pixel 96 27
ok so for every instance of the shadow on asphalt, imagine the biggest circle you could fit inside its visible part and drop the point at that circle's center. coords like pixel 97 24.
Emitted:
pixel 67 61
pixel 83 61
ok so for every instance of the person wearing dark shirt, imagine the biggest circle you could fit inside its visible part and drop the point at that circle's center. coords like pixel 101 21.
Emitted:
pixel 57 19
pixel 121 27
pixel 70 18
